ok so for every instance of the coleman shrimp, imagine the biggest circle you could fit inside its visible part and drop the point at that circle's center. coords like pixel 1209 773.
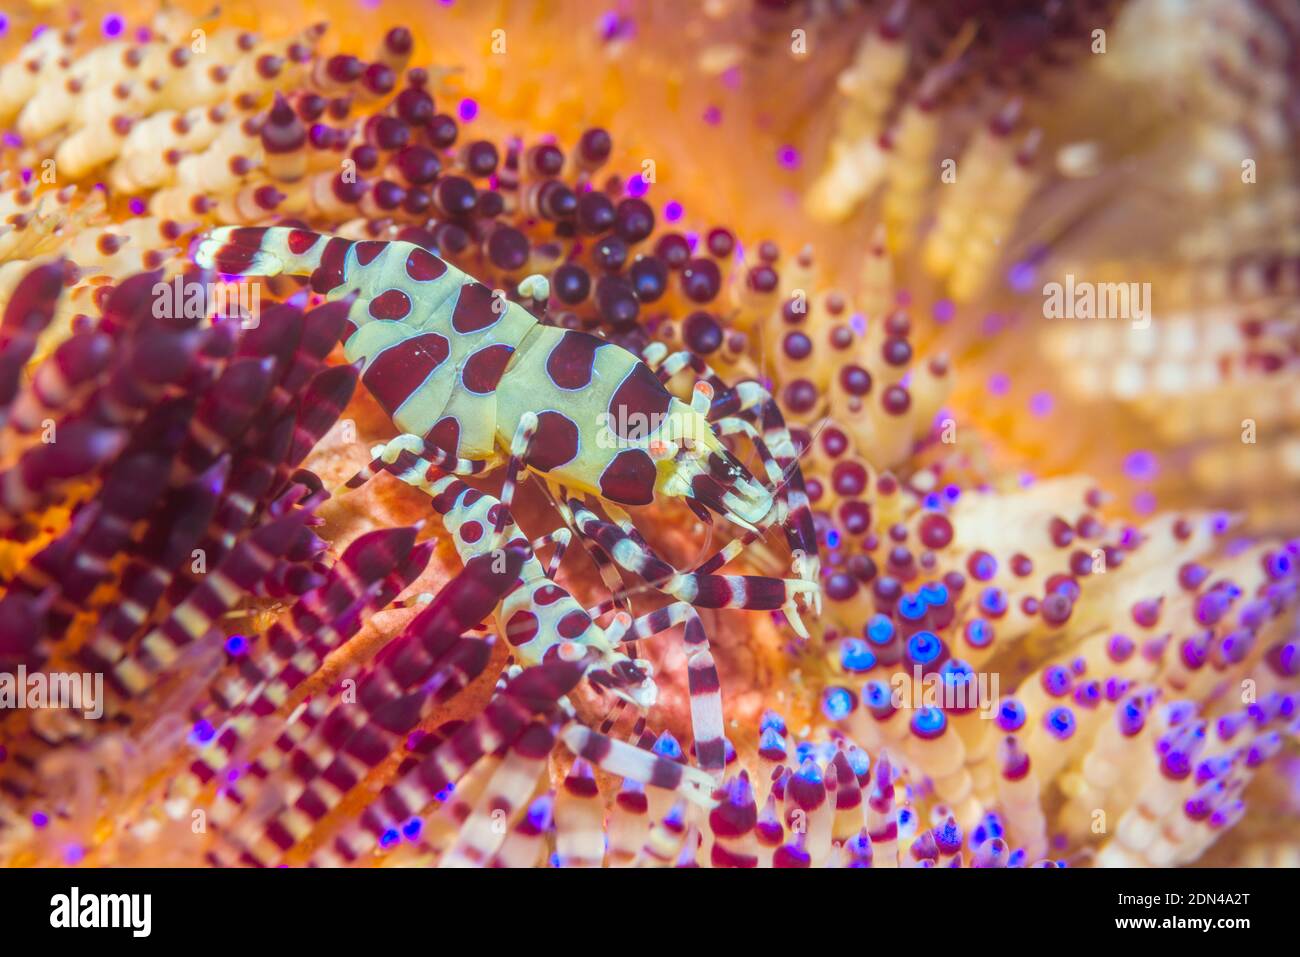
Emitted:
pixel 458 366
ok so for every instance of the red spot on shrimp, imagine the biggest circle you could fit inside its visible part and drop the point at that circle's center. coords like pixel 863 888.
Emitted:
pixel 333 266
pixel 400 369
pixel 573 624
pixel 445 500
pixel 483 370
pixel 424 266
pixel 233 260
pixel 477 308
pixel 629 479
pixel 445 435
pixel 521 628
pixel 471 532
pixel 555 442
pixel 548 595
pixel 639 405
pixel 301 240
pixel 368 251
pixel 248 236
pixel 573 359
pixel 236 255
pixel 390 304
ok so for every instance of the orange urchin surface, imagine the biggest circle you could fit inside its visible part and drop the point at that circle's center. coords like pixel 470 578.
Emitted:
pixel 1055 587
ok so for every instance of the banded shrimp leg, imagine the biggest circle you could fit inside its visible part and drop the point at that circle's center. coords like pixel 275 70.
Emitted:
pixel 626 548
pixel 619 542
pixel 749 409
pixel 541 619
pixel 702 676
